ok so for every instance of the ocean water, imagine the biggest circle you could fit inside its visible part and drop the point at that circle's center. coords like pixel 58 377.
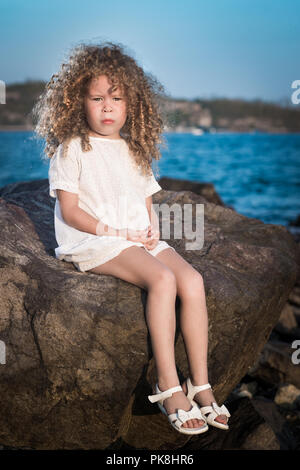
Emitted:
pixel 257 174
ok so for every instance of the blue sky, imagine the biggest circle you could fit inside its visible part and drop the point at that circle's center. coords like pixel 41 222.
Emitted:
pixel 196 48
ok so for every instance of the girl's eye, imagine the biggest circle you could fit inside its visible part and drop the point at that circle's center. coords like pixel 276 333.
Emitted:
pixel 97 99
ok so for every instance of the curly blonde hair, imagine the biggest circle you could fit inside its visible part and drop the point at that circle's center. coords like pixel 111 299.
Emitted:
pixel 59 113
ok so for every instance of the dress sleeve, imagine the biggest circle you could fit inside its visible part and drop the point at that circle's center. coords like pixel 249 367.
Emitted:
pixel 64 172
pixel 151 185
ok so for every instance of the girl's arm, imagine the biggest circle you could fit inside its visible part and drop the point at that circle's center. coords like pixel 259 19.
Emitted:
pixel 76 217
pixel 154 221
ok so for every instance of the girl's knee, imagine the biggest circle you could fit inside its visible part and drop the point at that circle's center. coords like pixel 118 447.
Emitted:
pixel 192 285
pixel 165 279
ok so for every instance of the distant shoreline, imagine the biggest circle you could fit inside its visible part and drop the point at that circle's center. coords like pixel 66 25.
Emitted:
pixel 21 127
pixel 26 128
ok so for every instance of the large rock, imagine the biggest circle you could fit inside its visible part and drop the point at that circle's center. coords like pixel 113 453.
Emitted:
pixel 275 364
pixel 79 364
pixel 255 425
pixel 206 190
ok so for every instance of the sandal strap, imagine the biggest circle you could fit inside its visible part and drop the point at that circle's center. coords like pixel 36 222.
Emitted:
pixel 181 416
pixel 163 395
pixel 194 389
pixel 206 409
pixel 215 410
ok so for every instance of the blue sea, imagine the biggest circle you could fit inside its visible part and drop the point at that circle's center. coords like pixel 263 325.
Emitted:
pixel 257 174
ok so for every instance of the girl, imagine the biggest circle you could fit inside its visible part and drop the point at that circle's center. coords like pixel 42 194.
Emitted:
pixel 100 120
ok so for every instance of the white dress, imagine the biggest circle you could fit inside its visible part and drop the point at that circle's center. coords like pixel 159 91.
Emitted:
pixel 110 188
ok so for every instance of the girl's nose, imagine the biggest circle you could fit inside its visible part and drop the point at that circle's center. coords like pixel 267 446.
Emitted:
pixel 107 106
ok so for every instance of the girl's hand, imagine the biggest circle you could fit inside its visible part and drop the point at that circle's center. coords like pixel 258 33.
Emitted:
pixel 153 237
pixel 138 235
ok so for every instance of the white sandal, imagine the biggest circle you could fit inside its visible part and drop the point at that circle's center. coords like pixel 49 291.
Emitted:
pixel 181 416
pixel 214 410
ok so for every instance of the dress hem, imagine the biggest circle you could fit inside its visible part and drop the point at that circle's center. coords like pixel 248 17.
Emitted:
pixel 86 266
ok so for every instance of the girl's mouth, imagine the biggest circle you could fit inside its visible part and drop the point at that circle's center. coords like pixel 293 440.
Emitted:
pixel 107 121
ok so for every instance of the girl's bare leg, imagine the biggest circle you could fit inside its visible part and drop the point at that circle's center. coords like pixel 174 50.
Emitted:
pixel 138 267
pixel 193 322
pixel 161 322
pixel 194 327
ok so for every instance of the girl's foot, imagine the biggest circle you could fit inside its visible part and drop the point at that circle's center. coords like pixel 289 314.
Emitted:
pixel 205 398
pixel 180 400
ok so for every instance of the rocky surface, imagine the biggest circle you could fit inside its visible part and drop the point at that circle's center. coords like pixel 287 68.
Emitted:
pixel 79 364
pixel 274 380
pixel 207 190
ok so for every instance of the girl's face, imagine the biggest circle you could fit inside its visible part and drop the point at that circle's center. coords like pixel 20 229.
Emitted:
pixel 101 104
